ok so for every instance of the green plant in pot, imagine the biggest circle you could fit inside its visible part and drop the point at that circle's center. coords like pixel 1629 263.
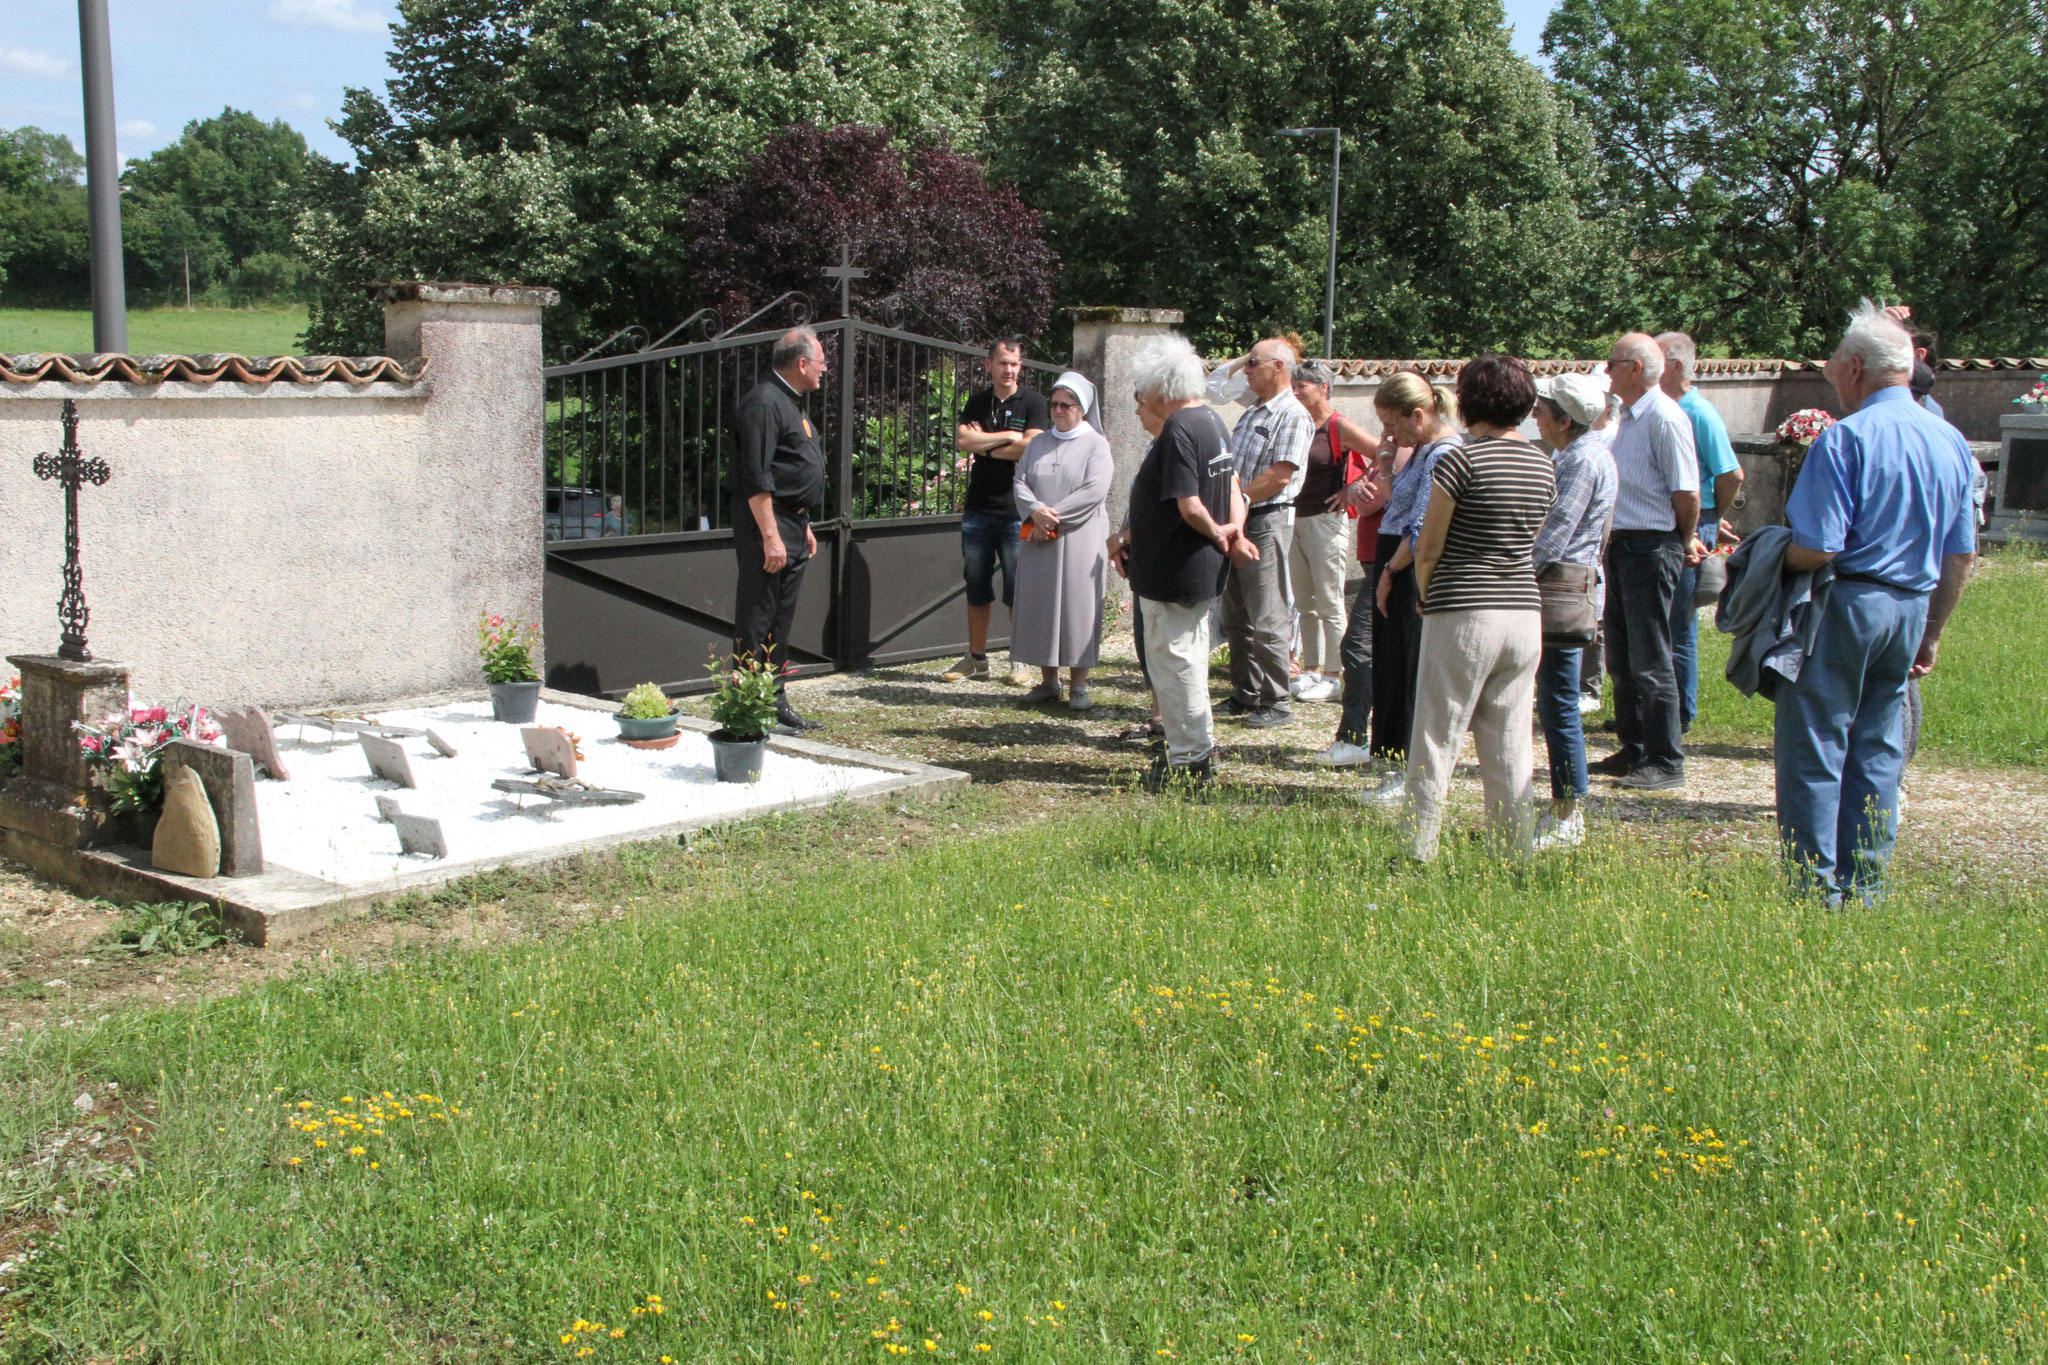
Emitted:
pixel 647 716
pixel 506 647
pixel 744 707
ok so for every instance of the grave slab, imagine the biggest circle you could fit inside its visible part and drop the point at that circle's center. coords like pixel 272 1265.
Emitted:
pixel 387 760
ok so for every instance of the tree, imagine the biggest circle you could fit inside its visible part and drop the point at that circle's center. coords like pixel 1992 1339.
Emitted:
pixel 223 197
pixel 44 257
pixel 1145 132
pixel 587 125
pixel 1775 159
pixel 922 220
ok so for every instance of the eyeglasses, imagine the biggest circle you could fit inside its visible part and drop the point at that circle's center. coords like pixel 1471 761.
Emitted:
pixel 1062 405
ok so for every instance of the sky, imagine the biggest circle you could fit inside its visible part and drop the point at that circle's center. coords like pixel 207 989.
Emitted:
pixel 187 59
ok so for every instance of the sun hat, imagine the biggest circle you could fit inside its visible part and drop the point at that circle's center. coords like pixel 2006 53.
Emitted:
pixel 1582 397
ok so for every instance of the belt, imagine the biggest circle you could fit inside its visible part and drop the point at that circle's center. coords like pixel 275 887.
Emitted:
pixel 1267 509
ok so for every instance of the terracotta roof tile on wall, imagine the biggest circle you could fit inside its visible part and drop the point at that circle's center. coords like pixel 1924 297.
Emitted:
pixel 1448 369
pixel 210 369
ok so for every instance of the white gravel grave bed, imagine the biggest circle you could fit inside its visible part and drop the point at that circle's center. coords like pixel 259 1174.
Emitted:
pixel 324 822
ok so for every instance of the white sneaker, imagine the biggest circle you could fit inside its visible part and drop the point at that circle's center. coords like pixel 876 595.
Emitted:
pixel 1301 680
pixel 1899 812
pixel 1079 700
pixel 1322 689
pixel 1588 703
pixel 1552 832
pixel 1389 793
pixel 1342 755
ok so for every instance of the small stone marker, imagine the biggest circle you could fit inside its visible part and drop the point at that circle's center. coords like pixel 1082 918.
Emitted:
pixel 419 834
pixel 387 760
pixel 187 837
pixel 230 782
pixel 550 750
pixel 387 809
pixel 569 793
pixel 249 731
pixel 441 746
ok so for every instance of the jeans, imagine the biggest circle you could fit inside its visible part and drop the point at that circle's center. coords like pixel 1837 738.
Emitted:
pixel 1685 631
pixel 1557 707
pixel 1840 737
pixel 985 540
pixel 1642 581
pixel 1396 655
pixel 1355 725
pixel 1177 666
pixel 1258 618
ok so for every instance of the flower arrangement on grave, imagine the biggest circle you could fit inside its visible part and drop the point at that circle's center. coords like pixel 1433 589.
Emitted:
pixel 646 702
pixel 2036 397
pixel 506 646
pixel 10 727
pixel 647 718
pixel 1804 427
pixel 744 705
pixel 121 752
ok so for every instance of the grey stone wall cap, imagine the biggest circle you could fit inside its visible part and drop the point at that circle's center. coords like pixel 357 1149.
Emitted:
pixel 1164 317
pixel 86 675
pixel 436 291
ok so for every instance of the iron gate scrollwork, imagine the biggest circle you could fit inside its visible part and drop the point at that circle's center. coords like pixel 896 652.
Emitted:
pixel 637 517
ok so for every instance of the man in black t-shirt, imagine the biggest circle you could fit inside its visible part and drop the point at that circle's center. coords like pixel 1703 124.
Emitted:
pixel 995 426
pixel 1186 527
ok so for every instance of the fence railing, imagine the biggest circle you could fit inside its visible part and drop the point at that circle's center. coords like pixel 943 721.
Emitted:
pixel 641 444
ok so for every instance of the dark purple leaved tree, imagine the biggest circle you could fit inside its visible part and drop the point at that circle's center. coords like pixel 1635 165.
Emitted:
pixel 956 254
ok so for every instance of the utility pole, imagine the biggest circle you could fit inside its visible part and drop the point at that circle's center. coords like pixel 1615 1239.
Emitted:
pixel 188 279
pixel 1336 179
pixel 102 179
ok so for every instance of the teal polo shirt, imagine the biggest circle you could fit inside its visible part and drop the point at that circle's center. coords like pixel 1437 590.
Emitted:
pixel 1710 439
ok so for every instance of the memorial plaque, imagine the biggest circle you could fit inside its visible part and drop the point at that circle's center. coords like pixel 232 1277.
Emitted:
pixel 441 746
pixel 249 731
pixel 549 749
pixel 2026 475
pixel 230 782
pixel 387 760
pixel 387 809
pixel 418 834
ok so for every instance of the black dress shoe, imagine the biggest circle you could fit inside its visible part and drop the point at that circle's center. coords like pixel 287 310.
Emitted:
pixel 1620 763
pixel 1233 707
pixel 788 719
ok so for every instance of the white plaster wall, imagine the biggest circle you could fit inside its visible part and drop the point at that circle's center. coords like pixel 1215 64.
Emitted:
pixel 284 548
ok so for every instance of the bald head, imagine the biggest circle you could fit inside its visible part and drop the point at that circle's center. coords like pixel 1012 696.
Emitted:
pixel 1270 367
pixel 1634 366
pixel 799 357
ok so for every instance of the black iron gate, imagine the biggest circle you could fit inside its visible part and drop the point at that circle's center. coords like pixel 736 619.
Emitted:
pixel 640 569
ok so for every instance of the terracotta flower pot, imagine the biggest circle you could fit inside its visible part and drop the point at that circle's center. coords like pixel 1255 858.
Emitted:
pixel 668 743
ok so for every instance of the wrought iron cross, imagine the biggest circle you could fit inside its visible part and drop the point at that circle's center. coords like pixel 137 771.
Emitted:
pixel 70 468
pixel 846 272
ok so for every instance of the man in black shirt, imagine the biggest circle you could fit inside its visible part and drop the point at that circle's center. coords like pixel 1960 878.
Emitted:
pixel 778 476
pixel 995 426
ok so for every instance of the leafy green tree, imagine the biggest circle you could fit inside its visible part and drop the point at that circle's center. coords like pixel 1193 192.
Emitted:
pixel 559 141
pixel 44 257
pixel 223 197
pixel 1145 132
pixel 1771 160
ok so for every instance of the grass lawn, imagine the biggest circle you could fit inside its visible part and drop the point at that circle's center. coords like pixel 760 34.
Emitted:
pixel 1985 702
pixel 1141 1082
pixel 159 331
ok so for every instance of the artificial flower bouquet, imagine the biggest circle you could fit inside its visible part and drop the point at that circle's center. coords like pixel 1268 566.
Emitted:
pixel 10 727
pixel 1805 426
pixel 122 751
pixel 2036 397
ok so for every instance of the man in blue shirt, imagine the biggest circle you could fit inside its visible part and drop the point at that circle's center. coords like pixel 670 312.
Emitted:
pixel 1883 497
pixel 1720 477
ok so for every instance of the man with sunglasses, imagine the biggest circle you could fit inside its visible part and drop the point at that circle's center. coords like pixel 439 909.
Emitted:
pixel 1270 449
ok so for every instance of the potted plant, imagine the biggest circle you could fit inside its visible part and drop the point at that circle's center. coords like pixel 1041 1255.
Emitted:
pixel 744 707
pixel 647 718
pixel 121 754
pixel 506 646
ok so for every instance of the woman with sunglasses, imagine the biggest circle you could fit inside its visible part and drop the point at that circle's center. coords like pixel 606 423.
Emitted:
pixel 1062 483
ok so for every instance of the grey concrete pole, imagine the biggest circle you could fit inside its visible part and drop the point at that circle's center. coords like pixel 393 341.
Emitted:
pixel 102 179
pixel 1336 179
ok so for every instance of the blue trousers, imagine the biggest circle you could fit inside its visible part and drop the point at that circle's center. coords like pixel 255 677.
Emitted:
pixel 1840 737
pixel 1564 731
pixel 1685 629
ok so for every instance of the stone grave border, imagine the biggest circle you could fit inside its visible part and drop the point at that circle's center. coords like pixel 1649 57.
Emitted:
pixel 279 905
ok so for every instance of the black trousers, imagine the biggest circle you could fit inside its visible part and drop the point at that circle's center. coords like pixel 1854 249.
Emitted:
pixel 1396 655
pixel 1355 726
pixel 1643 568
pixel 764 603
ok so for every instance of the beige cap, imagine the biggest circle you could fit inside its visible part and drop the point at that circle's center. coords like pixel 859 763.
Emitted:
pixel 1583 397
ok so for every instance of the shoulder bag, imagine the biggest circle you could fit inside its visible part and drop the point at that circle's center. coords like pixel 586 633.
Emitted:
pixel 1569 619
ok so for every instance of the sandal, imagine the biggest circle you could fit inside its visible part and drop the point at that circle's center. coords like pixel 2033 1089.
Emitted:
pixel 1142 734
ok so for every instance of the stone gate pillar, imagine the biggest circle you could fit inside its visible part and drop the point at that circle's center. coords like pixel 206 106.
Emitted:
pixel 1105 339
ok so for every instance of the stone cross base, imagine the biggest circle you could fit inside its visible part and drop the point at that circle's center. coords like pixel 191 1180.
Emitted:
pixel 50 799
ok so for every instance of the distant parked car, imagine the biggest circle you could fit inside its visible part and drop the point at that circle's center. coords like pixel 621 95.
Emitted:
pixel 579 514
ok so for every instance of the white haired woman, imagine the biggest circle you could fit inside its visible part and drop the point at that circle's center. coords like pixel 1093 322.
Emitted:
pixel 1062 482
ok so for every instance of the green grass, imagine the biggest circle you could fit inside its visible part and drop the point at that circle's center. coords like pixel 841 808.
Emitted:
pixel 1203 1083
pixel 159 331
pixel 1985 702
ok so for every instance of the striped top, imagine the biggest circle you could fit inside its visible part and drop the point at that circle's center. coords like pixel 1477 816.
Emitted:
pixel 1503 489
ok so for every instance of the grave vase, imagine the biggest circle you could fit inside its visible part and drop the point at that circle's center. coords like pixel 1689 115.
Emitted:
pixel 737 760
pixel 515 703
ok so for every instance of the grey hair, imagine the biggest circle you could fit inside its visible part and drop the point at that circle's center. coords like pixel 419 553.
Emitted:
pixel 1574 429
pixel 1636 346
pixel 795 345
pixel 1313 372
pixel 1167 367
pixel 1880 342
pixel 1678 350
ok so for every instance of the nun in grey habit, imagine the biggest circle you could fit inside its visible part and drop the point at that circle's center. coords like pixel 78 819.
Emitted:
pixel 1062 483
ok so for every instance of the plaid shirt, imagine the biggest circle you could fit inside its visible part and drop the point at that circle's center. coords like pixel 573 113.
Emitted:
pixel 1277 431
pixel 1586 489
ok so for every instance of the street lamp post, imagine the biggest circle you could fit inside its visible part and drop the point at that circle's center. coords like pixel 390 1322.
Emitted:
pixel 102 179
pixel 1336 179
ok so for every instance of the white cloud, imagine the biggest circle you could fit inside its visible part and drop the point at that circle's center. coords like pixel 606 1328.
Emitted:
pixel 39 66
pixel 344 16
pixel 135 127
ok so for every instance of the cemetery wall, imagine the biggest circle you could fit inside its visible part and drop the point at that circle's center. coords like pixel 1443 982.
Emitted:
pixel 309 534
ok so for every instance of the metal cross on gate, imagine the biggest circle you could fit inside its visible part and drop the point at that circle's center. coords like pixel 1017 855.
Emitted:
pixel 846 272
pixel 70 468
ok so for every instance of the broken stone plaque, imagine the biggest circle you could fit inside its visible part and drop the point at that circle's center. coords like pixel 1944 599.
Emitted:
pixel 387 809
pixel 249 731
pixel 387 760
pixel 569 793
pixel 549 749
pixel 187 837
pixel 230 782
pixel 419 834
pixel 441 746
